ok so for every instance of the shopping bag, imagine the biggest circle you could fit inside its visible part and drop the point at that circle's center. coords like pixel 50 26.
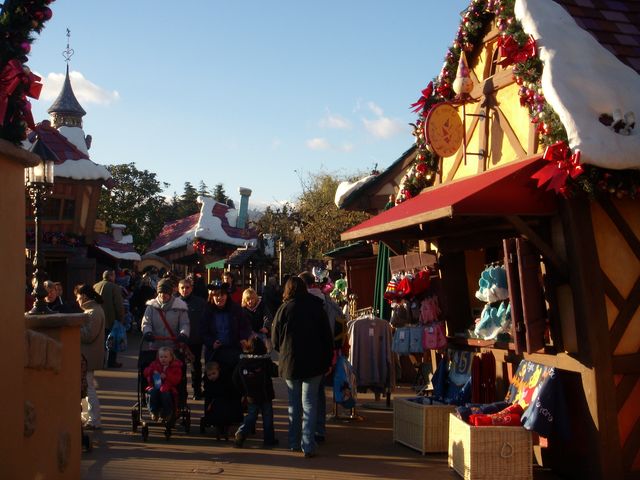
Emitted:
pixel 117 338
pixel 344 383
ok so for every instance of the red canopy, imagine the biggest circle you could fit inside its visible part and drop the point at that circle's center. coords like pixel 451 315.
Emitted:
pixel 507 190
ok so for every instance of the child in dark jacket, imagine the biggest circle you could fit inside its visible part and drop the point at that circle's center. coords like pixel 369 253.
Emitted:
pixel 252 377
pixel 222 405
pixel 163 376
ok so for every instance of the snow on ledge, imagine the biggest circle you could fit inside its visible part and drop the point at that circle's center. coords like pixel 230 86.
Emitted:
pixel 582 80
pixel 82 169
pixel 346 188
pixel 121 255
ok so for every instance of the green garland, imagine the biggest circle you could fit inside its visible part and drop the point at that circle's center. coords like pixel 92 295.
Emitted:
pixel 527 73
pixel 19 19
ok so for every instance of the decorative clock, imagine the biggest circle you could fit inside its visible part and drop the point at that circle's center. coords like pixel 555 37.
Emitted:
pixel 443 129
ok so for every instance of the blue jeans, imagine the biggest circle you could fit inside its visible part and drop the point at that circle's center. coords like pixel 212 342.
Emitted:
pixel 321 420
pixel 303 412
pixel 160 402
pixel 250 419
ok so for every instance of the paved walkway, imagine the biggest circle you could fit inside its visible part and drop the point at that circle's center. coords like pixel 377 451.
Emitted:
pixel 353 450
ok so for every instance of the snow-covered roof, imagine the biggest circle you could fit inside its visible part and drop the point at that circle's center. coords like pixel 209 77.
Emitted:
pixel 213 223
pixel 582 80
pixel 122 250
pixel 65 148
pixel 347 188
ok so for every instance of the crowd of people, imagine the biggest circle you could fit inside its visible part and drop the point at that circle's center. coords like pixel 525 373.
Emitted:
pixel 226 336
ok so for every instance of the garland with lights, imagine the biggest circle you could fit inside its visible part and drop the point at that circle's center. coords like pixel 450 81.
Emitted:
pixel 19 19
pixel 564 174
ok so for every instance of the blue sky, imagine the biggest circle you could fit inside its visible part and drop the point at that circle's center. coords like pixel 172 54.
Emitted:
pixel 255 94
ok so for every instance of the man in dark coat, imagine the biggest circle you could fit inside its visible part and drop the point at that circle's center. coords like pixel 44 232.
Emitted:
pixel 196 306
pixel 113 307
pixel 301 334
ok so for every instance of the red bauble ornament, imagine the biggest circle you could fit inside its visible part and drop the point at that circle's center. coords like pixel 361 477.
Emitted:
pixel 421 167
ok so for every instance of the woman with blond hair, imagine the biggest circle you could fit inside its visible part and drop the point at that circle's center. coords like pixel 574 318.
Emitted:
pixel 258 315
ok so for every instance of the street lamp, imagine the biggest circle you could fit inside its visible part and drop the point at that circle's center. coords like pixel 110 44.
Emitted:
pixel 39 181
pixel 280 246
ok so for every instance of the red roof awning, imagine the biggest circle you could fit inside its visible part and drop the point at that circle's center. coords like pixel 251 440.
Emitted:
pixel 507 190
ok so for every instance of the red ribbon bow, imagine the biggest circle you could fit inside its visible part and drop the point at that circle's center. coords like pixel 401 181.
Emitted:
pixel 512 53
pixel 562 164
pixel 420 104
pixel 10 77
pixel 9 80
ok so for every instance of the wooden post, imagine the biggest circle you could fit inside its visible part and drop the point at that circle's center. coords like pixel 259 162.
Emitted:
pixel 593 338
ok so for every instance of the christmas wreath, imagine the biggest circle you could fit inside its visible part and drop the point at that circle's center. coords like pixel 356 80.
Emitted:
pixel 18 20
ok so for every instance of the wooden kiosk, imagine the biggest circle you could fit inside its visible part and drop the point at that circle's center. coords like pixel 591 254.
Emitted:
pixel 574 257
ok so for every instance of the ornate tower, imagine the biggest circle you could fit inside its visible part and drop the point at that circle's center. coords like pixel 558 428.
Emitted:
pixel 66 110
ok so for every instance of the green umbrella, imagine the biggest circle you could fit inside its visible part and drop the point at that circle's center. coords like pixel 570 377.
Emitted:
pixel 383 275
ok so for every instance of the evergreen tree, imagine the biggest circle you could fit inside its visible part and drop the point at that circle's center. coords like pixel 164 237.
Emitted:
pixel 203 190
pixel 219 194
pixel 188 201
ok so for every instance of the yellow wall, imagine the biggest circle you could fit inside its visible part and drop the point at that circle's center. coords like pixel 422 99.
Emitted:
pixel 12 243
pixel 56 396
pixel 500 148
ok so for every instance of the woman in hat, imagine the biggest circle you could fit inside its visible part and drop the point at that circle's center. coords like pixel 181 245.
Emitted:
pixel 166 319
pixel 224 327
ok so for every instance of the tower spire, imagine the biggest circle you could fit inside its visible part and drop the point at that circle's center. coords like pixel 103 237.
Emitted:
pixel 66 110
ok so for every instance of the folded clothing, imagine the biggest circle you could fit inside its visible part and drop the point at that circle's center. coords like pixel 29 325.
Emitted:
pixel 480 408
pixel 509 417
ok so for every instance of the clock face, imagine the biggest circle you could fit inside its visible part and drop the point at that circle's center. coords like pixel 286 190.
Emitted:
pixel 443 130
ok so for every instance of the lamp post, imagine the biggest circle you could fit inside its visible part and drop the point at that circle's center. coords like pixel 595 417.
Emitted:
pixel 280 246
pixel 38 181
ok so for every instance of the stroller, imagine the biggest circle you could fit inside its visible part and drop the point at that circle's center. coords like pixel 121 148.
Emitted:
pixel 182 412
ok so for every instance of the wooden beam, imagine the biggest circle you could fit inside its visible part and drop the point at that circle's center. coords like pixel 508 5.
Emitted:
pixel 532 146
pixel 621 224
pixel 546 249
pixel 604 456
pixel 624 389
pixel 562 361
pixel 631 447
pixel 612 291
pixel 625 315
pixel 626 364
pixel 511 135
pixel 468 134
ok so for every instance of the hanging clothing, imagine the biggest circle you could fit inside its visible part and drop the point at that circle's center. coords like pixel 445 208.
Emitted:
pixel 371 338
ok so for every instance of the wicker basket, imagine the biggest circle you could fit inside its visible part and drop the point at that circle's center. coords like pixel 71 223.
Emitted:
pixel 422 427
pixel 491 453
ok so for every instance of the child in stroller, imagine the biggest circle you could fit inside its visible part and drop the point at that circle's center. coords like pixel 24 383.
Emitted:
pixel 163 377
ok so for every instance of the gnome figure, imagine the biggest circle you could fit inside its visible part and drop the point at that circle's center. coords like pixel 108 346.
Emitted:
pixel 463 84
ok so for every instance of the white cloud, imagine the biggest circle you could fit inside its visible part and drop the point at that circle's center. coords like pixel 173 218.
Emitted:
pixel 375 109
pixel 347 147
pixel 384 127
pixel 335 121
pixel 276 143
pixel 318 144
pixel 85 91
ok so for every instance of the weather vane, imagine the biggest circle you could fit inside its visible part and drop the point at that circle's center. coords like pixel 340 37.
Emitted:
pixel 68 53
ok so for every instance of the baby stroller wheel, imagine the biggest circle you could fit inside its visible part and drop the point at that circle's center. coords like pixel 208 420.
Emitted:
pixel 203 425
pixel 145 432
pixel 135 420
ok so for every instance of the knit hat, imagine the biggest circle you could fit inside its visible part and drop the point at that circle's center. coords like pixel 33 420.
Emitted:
pixel 165 286
pixel 218 285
